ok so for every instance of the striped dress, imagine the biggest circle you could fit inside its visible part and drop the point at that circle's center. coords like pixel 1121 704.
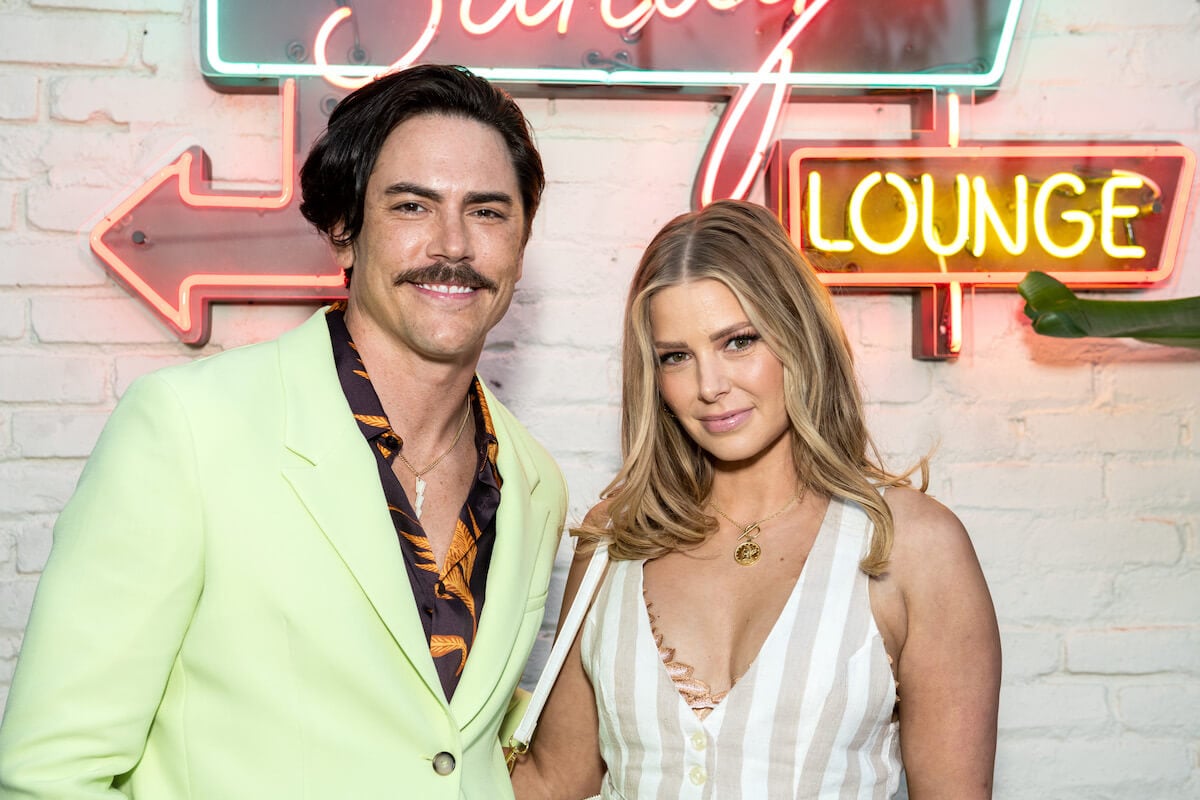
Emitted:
pixel 812 717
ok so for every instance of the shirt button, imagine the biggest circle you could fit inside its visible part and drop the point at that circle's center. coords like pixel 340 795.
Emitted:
pixel 699 740
pixel 443 763
pixel 698 775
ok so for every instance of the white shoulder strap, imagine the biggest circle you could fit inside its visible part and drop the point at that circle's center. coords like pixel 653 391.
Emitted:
pixel 562 644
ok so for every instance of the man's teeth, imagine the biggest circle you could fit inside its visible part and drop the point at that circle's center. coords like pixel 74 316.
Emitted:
pixel 446 288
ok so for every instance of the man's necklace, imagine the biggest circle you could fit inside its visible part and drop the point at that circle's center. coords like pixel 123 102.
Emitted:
pixel 419 472
pixel 747 553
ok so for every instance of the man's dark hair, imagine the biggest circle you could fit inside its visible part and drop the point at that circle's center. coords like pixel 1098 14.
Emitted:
pixel 333 180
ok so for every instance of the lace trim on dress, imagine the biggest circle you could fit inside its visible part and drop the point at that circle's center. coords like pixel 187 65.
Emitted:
pixel 698 695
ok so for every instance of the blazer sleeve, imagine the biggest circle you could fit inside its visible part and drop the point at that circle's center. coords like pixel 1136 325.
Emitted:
pixel 113 605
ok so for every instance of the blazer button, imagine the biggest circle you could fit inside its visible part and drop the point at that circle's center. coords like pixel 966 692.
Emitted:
pixel 443 763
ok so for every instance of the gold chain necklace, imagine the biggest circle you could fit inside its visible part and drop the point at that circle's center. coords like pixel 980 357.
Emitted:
pixel 421 484
pixel 748 553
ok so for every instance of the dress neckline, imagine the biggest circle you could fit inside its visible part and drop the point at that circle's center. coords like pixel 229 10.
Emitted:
pixel 715 703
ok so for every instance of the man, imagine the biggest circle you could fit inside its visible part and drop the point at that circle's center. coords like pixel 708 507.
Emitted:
pixel 315 567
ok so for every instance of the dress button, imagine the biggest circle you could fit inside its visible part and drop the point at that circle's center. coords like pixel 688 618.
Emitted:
pixel 699 740
pixel 698 775
pixel 443 763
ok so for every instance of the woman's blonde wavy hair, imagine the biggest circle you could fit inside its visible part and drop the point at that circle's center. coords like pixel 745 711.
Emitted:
pixel 656 503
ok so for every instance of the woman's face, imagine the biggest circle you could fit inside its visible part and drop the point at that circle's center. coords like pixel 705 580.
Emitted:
pixel 715 373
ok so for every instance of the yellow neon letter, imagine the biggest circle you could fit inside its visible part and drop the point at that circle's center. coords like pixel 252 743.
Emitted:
pixel 985 212
pixel 1041 228
pixel 814 219
pixel 858 227
pixel 1110 211
pixel 962 199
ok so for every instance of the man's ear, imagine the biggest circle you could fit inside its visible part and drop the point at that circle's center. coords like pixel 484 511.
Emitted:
pixel 343 254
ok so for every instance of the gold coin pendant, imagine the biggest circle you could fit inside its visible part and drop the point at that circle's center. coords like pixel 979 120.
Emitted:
pixel 747 553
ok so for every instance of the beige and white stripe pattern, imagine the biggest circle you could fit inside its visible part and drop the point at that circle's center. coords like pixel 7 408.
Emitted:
pixel 812 717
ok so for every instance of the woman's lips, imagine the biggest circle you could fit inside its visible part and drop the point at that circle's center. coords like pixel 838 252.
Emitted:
pixel 724 423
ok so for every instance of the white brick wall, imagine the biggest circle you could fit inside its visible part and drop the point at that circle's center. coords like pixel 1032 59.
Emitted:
pixel 1075 464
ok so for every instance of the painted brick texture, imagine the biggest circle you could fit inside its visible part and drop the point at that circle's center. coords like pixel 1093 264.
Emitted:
pixel 1074 464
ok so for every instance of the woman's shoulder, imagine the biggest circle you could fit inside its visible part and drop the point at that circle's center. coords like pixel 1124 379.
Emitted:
pixel 920 512
pixel 597 516
pixel 929 540
pixel 590 533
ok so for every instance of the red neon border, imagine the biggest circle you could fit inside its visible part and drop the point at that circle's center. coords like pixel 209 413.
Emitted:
pixel 1171 241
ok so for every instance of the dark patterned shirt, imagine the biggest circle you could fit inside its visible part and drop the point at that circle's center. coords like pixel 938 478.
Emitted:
pixel 450 600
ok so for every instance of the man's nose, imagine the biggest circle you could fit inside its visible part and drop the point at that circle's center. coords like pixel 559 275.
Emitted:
pixel 450 239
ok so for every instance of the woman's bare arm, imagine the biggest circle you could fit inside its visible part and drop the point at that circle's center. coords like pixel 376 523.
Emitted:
pixel 949 667
pixel 563 761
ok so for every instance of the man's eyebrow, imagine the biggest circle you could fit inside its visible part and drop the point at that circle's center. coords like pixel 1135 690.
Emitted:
pixel 471 198
pixel 403 187
pixel 474 198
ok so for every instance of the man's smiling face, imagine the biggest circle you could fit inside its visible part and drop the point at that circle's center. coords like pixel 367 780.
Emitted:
pixel 442 240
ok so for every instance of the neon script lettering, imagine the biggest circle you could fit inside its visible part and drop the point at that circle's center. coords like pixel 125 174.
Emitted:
pixel 479 23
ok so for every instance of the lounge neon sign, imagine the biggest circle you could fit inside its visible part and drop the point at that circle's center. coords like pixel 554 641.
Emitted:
pixel 1095 214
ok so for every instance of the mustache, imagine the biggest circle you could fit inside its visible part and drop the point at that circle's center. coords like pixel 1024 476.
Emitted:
pixel 443 272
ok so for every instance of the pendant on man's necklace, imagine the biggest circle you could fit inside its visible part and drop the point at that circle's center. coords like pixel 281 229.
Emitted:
pixel 421 498
pixel 748 552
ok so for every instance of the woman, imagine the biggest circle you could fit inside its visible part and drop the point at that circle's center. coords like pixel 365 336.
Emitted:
pixel 781 617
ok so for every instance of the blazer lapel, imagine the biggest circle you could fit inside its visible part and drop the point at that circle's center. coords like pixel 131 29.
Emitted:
pixel 520 526
pixel 335 477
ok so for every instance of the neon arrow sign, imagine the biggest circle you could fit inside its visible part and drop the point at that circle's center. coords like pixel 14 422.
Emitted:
pixel 179 246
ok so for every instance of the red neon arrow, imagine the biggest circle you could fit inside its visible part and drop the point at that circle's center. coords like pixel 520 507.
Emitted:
pixel 180 246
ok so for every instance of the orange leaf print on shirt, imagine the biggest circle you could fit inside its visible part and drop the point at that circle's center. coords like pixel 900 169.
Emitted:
pixel 445 645
pixel 460 566
pixel 421 551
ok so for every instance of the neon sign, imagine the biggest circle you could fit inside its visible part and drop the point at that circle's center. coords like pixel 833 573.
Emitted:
pixel 159 242
pixel 619 44
pixel 1093 214
pixel 913 216
pixel 756 50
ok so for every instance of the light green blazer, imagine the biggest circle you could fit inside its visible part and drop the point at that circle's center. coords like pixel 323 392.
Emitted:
pixel 225 613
